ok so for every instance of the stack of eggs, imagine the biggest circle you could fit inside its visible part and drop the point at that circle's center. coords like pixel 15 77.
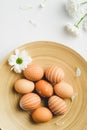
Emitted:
pixel 52 88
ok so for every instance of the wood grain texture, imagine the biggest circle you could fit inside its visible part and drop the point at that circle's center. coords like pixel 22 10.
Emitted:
pixel 45 53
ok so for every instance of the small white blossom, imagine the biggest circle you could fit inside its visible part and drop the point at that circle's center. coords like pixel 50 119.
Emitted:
pixel 70 28
pixel 85 25
pixel 19 61
pixel 78 72
pixel 73 8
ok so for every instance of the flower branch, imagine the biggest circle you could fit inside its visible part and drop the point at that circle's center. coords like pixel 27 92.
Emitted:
pixel 73 8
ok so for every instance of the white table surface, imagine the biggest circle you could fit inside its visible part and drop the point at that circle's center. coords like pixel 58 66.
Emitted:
pixel 48 25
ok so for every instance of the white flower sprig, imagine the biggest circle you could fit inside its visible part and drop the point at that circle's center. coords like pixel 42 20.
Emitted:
pixel 74 29
pixel 74 8
pixel 19 61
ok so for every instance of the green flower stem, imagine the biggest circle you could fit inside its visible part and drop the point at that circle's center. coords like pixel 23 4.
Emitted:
pixel 82 3
pixel 77 25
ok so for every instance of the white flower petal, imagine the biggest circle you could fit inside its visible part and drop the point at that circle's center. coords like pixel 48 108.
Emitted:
pixel 42 5
pixel 72 29
pixel 59 123
pixel 17 69
pixel 78 72
pixel 23 66
pixel 74 96
pixel 27 59
pixel 12 60
pixel 16 52
pixel 22 54
pixel 32 23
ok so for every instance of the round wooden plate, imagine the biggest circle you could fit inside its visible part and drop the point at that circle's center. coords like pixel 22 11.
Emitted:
pixel 45 53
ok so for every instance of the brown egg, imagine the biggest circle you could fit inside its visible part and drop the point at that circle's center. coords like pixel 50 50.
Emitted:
pixel 30 101
pixel 54 74
pixel 42 114
pixel 24 86
pixel 33 72
pixel 63 90
pixel 57 105
pixel 44 88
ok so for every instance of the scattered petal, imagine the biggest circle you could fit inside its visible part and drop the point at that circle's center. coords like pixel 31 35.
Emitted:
pixel 33 23
pixel 78 72
pixel 59 124
pixel 42 5
pixel 17 68
pixel 70 28
pixel 16 52
pixel 74 96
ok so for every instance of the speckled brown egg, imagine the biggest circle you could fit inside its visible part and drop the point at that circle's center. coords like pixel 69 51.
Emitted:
pixel 44 88
pixel 42 114
pixel 33 72
pixel 63 90
pixel 54 74
pixel 24 86
pixel 57 105
pixel 30 101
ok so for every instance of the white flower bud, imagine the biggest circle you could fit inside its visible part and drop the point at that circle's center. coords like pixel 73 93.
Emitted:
pixel 70 28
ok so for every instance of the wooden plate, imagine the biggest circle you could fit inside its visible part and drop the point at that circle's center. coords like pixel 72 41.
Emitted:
pixel 45 53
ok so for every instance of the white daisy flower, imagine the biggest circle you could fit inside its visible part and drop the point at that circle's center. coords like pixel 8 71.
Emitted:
pixel 19 61
pixel 72 29
pixel 85 25
pixel 73 8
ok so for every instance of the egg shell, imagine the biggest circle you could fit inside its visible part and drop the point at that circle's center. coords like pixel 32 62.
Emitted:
pixel 54 74
pixel 57 105
pixel 30 101
pixel 24 86
pixel 42 114
pixel 44 88
pixel 63 90
pixel 33 72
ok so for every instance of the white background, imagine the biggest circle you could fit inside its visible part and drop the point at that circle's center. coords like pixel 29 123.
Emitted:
pixel 48 24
